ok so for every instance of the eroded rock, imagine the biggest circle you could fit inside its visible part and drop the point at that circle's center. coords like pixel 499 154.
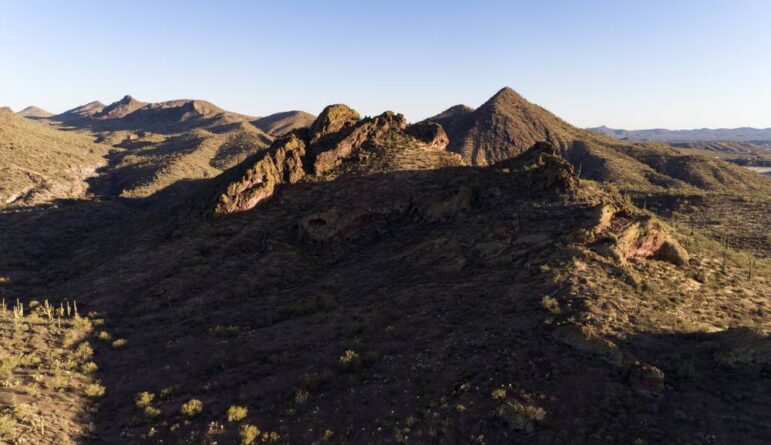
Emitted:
pixel 429 133
pixel 281 163
pixel 329 151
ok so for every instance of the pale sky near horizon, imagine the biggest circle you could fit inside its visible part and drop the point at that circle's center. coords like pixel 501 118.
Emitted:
pixel 625 64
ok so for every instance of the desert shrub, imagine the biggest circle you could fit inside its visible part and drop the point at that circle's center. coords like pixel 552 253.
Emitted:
pixel 192 408
pixel 349 358
pixel 84 351
pixel 104 336
pixel 89 367
pixel 550 304
pixel 248 433
pixel 151 412
pixel 119 343
pixel 7 426
pixel 143 399
pixel 301 396
pixel 236 413
pixel 498 393
pixel 94 391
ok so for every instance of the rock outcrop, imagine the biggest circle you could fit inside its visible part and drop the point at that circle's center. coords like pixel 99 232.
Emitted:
pixel 627 234
pixel 330 149
pixel 333 119
pixel 541 168
pixel 281 163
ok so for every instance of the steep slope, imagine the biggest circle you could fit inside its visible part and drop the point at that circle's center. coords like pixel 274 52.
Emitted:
pixel 39 163
pixel 507 124
pixel 33 112
pixel 279 124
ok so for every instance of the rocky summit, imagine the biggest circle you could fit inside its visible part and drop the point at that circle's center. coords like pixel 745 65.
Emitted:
pixel 174 273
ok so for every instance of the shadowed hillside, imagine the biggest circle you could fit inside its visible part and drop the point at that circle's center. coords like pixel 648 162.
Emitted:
pixel 358 280
pixel 382 291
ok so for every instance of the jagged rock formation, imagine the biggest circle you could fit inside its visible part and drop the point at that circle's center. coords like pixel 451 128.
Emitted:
pixel 333 119
pixel 328 148
pixel 336 135
pixel 281 163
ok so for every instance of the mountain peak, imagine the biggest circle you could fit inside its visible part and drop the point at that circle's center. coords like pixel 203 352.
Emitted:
pixel 506 96
pixel 121 108
pixel 34 112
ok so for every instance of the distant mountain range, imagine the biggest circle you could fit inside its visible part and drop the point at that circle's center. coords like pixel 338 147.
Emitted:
pixel 170 117
pixel 743 134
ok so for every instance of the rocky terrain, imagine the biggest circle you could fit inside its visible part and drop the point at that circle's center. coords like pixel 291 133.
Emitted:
pixel 489 276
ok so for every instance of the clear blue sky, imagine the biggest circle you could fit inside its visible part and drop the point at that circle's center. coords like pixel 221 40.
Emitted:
pixel 628 64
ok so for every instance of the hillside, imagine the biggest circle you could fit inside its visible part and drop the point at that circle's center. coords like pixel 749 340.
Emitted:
pixel 354 281
pixel 507 124
pixel 33 112
pixel 380 290
pixel 142 166
pixel 279 124
pixel 39 164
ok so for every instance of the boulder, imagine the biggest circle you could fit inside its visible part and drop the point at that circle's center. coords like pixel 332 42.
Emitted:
pixel 646 379
pixel 430 133
pixel 649 239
